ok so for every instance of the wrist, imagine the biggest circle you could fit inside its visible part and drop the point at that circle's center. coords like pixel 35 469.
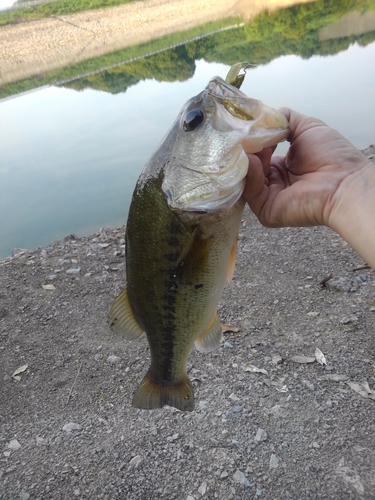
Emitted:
pixel 353 210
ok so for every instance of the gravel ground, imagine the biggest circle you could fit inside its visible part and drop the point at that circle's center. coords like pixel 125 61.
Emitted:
pixel 290 431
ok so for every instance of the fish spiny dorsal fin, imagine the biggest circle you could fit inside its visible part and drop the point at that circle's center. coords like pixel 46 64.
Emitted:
pixel 232 261
pixel 121 318
pixel 211 338
pixel 151 394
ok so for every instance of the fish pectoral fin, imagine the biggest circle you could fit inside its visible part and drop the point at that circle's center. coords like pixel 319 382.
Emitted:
pixel 188 246
pixel 232 261
pixel 151 394
pixel 121 318
pixel 211 338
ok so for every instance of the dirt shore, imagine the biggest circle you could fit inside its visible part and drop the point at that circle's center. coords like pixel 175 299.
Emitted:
pixel 35 47
pixel 290 431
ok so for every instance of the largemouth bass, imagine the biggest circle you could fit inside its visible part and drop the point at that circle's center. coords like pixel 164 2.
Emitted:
pixel 182 231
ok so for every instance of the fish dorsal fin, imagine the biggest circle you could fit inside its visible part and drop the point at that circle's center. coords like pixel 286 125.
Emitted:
pixel 211 337
pixel 232 261
pixel 121 317
pixel 151 394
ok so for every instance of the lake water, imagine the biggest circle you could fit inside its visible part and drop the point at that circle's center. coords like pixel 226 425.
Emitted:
pixel 69 159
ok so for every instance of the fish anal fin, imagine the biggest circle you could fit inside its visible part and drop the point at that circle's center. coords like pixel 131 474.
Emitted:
pixel 211 338
pixel 232 261
pixel 151 394
pixel 121 318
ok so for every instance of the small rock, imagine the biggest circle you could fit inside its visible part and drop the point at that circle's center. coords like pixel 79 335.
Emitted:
pixel 14 445
pixel 24 496
pixel 276 410
pixel 224 474
pixel 228 344
pixel 202 489
pixel 277 360
pixel 233 397
pixel 71 427
pixel 261 435
pixel 315 445
pixel 18 251
pixel 135 461
pixel 237 409
pixel 274 461
pixel 338 284
pixel 202 404
pixel 170 439
pixel 349 319
pixel 258 492
pixel 189 497
pixel 113 359
pixel 73 270
pixel 76 492
pixel 240 478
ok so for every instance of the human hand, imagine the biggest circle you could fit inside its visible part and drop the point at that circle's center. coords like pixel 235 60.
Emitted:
pixel 309 184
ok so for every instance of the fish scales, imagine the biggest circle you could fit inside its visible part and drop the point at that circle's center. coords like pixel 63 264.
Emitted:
pixel 181 235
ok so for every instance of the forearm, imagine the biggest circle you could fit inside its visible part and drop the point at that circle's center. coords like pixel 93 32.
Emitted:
pixel 353 213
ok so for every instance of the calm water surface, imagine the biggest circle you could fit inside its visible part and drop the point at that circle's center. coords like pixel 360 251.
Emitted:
pixel 69 160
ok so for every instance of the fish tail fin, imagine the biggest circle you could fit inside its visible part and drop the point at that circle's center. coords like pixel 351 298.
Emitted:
pixel 151 394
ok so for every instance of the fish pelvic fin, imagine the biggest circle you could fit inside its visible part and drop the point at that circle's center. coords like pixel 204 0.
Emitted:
pixel 151 394
pixel 211 338
pixel 121 318
pixel 232 261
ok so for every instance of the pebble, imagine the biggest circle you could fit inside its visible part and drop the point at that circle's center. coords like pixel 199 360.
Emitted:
pixel 237 409
pixel 277 359
pixel 202 488
pixel 113 359
pixel 228 344
pixel 170 439
pixel 189 497
pixel 71 427
pixel 349 319
pixel 338 284
pixel 274 461
pixel 224 474
pixel 135 461
pixel 260 436
pixel 24 496
pixel 240 478
pixel 14 445
pixel 73 270
pixel 233 397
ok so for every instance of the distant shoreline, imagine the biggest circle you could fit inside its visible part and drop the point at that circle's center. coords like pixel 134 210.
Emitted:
pixel 35 47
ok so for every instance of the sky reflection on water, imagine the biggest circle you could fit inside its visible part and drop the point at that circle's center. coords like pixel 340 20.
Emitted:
pixel 69 160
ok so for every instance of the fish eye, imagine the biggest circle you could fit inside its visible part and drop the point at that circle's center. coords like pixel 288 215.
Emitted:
pixel 193 118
